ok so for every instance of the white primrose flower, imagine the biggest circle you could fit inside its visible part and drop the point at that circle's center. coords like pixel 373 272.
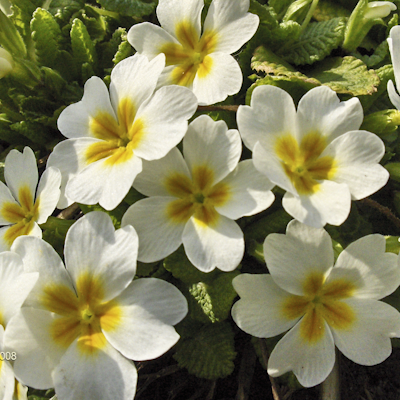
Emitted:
pixel 23 206
pixel 83 323
pixel 198 58
pixel 194 199
pixel 321 304
pixel 110 133
pixel 6 62
pixel 394 47
pixel 15 285
pixel 316 154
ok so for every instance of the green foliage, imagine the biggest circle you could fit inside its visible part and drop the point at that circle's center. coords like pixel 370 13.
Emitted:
pixel 206 351
pixel 46 35
pixel 315 43
pixel 131 8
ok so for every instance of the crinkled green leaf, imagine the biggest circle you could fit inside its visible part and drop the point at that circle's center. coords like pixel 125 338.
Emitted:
pixel 328 9
pixel 131 8
pixel 82 46
pixel 379 55
pixel 95 23
pixel 280 6
pixel 124 50
pixel 383 123
pixel 315 43
pixel 208 352
pixel 46 35
pixel 10 38
pixel 64 9
pixel 347 75
pixel 12 137
pixel 53 80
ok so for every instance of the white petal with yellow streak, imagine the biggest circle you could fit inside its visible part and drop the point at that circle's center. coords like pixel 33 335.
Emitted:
pixel 149 309
pixel 211 144
pixel 6 198
pixel 165 118
pixel 219 77
pixel 292 256
pixel 104 375
pixel 218 246
pixel 21 170
pixel 311 363
pixel 5 234
pixel 367 340
pixel 104 182
pixel 94 247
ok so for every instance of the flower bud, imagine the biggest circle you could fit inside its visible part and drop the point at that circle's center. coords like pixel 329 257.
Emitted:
pixel 6 62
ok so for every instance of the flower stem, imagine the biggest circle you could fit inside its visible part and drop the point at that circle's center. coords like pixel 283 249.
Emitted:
pixel 308 16
pixel 330 387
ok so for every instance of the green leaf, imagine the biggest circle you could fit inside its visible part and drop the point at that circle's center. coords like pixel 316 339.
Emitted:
pixel 130 8
pixel 392 244
pixel 377 57
pixel 327 10
pixel 207 351
pixel 46 35
pixel 383 123
pixel 10 38
pixel 280 6
pixel 64 9
pixel 35 132
pixel 347 75
pixel 82 46
pixel 315 43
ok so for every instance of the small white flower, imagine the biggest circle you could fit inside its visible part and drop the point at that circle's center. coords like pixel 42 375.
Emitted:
pixel 110 133
pixel 194 200
pixel 379 9
pixel 394 47
pixel 196 58
pixel 6 62
pixel 316 154
pixel 321 304
pixel 22 206
pixel 83 323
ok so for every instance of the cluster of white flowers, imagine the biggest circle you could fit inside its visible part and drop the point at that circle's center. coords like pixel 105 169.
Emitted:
pixel 78 327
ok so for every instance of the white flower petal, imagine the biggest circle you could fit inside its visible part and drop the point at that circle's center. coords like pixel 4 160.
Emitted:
pixel 149 306
pixel 224 78
pixel 357 154
pixel 15 285
pixel 271 112
pixel 48 193
pixel 93 246
pixel 376 273
pixel 159 236
pixel 38 256
pixel 152 181
pixel 69 156
pixel 209 143
pixel 233 25
pixel 330 204
pixel 259 310
pixel 218 246
pixel 135 78
pixel 292 256
pixel 367 340
pixel 104 182
pixel 165 118
pixel 321 110
pixel 393 95
pixel 5 199
pixel 21 171
pixel 7 379
pixel 394 46
pixel 310 363
pixel 74 121
pixel 250 192
pixel 171 13
pixel 28 334
pixel 106 374
pixel 149 39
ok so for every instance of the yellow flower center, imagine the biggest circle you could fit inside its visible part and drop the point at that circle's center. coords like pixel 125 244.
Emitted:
pixel 321 302
pixel 119 137
pixel 190 56
pixel 84 316
pixel 22 215
pixel 197 196
pixel 303 163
